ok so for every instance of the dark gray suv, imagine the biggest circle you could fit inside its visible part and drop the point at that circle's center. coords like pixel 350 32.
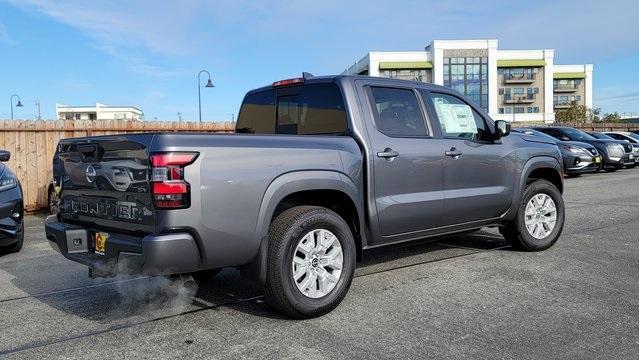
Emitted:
pixel 320 170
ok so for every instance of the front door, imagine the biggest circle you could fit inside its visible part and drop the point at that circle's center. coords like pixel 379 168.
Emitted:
pixel 406 162
pixel 477 176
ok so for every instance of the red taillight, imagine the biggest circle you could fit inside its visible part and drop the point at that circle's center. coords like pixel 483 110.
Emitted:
pixel 169 189
pixel 174 158
pixel 288 82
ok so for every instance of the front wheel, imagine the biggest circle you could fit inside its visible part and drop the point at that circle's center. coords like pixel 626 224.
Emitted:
pixel 540 218
pixel 311 261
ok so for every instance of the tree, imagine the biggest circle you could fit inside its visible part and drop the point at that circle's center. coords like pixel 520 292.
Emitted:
pixel 575 113
pixel 611 117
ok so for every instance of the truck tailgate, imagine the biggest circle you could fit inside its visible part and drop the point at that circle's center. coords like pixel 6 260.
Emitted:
pixel 105 182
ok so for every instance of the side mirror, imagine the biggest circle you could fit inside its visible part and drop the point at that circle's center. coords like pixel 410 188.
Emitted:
pixel 502 128
pixel 4 155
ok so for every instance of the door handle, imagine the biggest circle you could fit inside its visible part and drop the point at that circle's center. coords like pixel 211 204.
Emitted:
pixel 453 152
pixel 388 153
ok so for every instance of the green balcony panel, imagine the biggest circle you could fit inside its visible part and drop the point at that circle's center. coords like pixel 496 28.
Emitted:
pixel 521 63
pixel 390 65
pixel 569 75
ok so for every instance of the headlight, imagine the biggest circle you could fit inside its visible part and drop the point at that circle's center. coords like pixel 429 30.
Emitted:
pixel 575 149
pixel 615 150
pixel 8 181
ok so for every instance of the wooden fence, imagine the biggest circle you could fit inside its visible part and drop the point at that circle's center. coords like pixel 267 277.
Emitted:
pixel 32 145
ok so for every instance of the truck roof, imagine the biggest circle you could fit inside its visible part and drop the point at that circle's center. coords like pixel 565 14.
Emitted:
pixel 336 78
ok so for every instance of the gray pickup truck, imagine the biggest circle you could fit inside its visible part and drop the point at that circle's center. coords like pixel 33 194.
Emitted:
pixel 319 170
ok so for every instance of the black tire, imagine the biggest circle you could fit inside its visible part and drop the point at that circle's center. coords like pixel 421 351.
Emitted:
pixel 516 231
pixel 285 232
pixel 611 169
pixel 54 201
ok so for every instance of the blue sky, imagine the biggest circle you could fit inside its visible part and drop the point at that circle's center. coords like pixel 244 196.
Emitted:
pixel 147 53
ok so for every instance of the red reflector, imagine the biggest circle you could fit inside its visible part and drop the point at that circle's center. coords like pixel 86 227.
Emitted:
pixel 288 82
pixel 174 158
pixel 170 187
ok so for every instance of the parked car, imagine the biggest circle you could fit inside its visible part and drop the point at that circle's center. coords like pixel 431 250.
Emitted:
pixel 629 137
pixel 11 208
pixel 322 168
pixel 613 151
pixel 628 147
pixel 578 157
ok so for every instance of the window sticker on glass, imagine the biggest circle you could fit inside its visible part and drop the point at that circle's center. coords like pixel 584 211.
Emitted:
pixel 456 118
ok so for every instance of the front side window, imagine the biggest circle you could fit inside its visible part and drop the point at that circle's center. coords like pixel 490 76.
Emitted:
pixel 397 112
pixel 458 119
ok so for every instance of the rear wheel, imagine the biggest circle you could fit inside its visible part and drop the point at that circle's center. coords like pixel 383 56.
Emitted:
pixel 54 201
pixel 540 218
pixel 311 261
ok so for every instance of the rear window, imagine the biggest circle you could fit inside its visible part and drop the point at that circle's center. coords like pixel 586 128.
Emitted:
pixel 311 109
pixel 257 115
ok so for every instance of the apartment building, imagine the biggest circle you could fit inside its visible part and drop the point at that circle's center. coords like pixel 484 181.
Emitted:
pixel 514 85
pixel 98 112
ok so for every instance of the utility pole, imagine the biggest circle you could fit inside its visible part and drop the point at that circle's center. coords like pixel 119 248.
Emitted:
pixel 37 103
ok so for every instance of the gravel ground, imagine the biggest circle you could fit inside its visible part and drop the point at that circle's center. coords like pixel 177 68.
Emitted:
pixel 464 296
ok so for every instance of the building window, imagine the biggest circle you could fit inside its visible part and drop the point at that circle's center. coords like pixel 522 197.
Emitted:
pixel 469 76
pixel 68 116
pixel 519 109
pixel 422 75
pixel 517 73
pixel 533 109
pixel 92 116
pixel 568 84
pixel 77 116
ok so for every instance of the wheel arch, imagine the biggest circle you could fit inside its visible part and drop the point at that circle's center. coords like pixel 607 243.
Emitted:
pixel 539 167
pixel 330 189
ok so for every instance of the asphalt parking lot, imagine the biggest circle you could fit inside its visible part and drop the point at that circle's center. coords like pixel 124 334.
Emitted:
pixel 465 296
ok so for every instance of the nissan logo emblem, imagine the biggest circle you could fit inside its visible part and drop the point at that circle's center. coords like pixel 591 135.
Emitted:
pixel 90 173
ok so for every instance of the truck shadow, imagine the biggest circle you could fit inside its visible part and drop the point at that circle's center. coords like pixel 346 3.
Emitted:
pixel 124 300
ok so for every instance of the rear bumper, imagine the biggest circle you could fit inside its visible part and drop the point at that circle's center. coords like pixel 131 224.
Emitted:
pixel 152 254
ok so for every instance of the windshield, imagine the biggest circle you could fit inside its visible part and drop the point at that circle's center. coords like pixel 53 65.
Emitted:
pixel 537 133
pixel 577 135
pixel 601 136
pixel 633 135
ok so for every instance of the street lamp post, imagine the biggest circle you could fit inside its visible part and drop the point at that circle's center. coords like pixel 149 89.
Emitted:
pixel 19 104
pixel 209 84
pixel 37 103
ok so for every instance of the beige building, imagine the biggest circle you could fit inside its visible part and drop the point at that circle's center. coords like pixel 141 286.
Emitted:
pixel 514 85
pixel 98 112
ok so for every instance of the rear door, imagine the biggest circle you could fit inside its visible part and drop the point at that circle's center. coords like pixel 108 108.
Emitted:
pixel 477 178
pixel 406 162
pixel 105 181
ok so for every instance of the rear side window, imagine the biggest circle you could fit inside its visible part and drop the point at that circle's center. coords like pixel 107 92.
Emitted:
pixel 397 112
pixel 311 109
pixel 257 115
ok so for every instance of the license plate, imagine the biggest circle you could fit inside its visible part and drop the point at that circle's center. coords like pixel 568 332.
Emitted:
pixel 100 242
pixel 632 156
pixel 597 159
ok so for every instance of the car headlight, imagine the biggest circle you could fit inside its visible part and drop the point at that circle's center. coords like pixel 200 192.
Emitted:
pixel 8 181
pixel 615 150
pixel 575 149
